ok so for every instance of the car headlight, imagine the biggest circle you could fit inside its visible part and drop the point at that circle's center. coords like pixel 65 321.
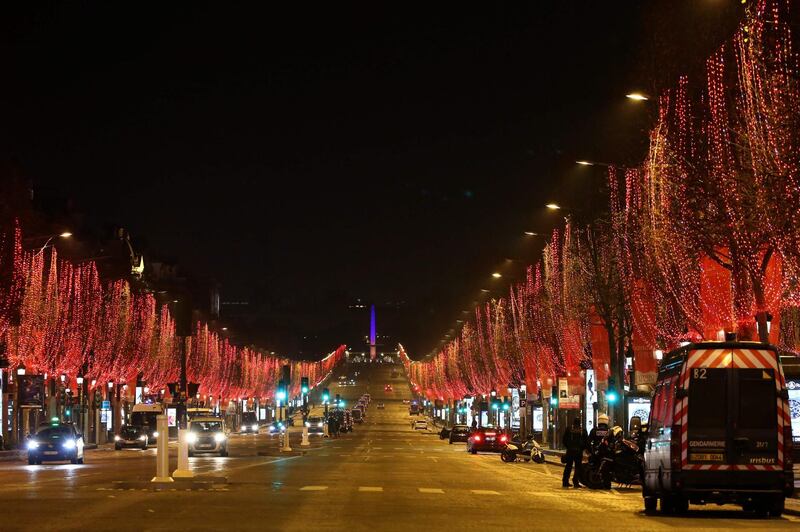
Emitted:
pixel 155 434
pixel 117 438
pixel 254 427
pixel 69 444
pixel 308 424
pixel 272 428
pixel 191 437
pixel 33 444
pixel 244 428
pixel 142 437
pixel 219 437
pixel 319 424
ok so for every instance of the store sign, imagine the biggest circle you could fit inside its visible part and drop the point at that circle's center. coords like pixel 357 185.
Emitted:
pixel 794 405
pixel 563 388
pixel 638 406
pixel 591 397
pixel 172 417
pixel 538 419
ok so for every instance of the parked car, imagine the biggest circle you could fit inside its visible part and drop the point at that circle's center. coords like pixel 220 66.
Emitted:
pixel 719 430
pixel 486 439
pixel 419 424
pixel 56 442
pixel 131 436
pixel 207 435
pixel 381 406
pixel 459 433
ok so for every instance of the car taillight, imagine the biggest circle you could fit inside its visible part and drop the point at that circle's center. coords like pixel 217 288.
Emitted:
pixel 476 437
pixel 503 438
pixel 788 448
pixel 675 448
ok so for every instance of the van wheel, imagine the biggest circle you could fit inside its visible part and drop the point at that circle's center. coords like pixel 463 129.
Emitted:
pixel 777 506
pixel 650 505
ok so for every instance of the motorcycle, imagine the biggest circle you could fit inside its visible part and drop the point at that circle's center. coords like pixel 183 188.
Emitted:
pixel 615 459
pixel 525 452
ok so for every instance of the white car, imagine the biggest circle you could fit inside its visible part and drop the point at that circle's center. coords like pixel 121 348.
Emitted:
pixel 420 424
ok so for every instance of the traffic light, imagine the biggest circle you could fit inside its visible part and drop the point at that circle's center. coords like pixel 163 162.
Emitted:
pixel 612 395
pixel 506 404
pixel 280 393
pixel 304 385
pixel 554 397
pixel 326 396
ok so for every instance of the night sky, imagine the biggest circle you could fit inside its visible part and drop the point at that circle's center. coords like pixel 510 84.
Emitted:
pixel 310 157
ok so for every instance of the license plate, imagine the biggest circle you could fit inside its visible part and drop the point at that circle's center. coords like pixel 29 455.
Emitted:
pixel 706 457
pixel 50 453
pixel 489 439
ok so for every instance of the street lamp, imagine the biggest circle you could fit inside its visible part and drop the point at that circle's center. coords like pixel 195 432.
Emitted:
pixel 496 275
pixel 21 369
pixel 553 206
pixel 531 233
pixel 637 97
pixel 585 163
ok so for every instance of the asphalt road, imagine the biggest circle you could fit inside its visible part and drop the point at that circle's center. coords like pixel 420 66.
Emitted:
pixel 384 476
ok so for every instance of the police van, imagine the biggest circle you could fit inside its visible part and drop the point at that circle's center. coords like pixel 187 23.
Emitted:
pixel 719 430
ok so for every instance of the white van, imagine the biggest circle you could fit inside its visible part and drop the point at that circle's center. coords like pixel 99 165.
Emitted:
pixel 719 430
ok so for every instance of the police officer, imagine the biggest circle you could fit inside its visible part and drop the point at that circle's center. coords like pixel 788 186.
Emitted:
pixel 598 433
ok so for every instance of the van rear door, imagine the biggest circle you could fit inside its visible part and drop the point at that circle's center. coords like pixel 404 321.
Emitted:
pixel 708 414
pixel 754 434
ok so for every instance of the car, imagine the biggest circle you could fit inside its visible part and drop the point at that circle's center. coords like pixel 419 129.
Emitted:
pixel 315 425
pixel 387 388
pixel 56 442
pixel 444 433
pixel 207 435
pixel 249 423
pixel 276 427
pixel 145 416
pixel 459 433
pixel 131 436
pixel 406 401
pixel 358 416
pixel 719 430
pixel 381 406
pixel 419 424
pixel 486 439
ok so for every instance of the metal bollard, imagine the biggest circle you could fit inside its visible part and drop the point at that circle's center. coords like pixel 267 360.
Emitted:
pixel 162 451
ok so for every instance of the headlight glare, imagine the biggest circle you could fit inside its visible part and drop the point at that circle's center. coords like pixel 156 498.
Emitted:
pixel 191 437
pixel 155 434
pixel 142 437
pixel 254 427
pixel 116 437
pixel 219 437
pixel 33 444
pixel 69 444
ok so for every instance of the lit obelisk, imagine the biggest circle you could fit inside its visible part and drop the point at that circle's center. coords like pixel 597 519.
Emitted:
pixel 372 337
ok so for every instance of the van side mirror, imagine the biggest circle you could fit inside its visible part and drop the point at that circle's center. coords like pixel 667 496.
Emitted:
pixel 681 393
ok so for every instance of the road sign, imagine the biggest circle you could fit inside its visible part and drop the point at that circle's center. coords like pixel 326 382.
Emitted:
pixel 106 405
pixel 523 403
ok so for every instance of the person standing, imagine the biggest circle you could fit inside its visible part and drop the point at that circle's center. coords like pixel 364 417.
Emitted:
pixel 575 442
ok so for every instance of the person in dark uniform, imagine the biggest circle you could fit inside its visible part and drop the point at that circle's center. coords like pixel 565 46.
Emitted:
pixel 575 442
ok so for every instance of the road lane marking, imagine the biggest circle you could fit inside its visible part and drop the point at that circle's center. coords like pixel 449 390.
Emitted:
pixel 430 490
pixel 434 458
pixel 370 488
pixel 484 492
pixel 313 488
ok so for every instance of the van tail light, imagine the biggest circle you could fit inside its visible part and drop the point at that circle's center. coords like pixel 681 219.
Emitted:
pixel 675 448
pixel 476 437
pixel 788 448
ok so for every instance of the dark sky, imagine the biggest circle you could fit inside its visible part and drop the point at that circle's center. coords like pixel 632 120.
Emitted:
pixel 308 157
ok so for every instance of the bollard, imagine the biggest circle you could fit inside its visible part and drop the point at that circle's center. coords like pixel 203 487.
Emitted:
pixel 162 452
pixel 305 442
pixel 183 470
pixel 325 430
pixel 286 448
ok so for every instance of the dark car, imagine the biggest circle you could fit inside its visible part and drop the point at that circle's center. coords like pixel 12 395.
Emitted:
pixel 56 442
pixel 249 423
pixel 276 427
pixel 459 433
pixel 486 439
pixel 131 436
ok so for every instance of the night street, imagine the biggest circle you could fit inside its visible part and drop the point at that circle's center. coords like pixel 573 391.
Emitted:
pixel 384 476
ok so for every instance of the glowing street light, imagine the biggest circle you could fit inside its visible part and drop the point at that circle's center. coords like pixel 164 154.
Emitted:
pixel 496 275
pixel 65 234
pixel 637 96
pixel 585 163
pixel 553 206
pixel 531 233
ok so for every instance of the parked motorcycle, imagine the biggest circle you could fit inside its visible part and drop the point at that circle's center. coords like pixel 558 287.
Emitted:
pixel 616 459
pixel 523 451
